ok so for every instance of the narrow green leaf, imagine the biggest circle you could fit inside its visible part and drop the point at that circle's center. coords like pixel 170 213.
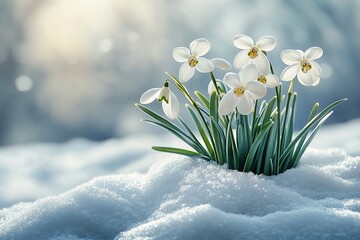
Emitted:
pixel 231 151
pixel 214 106
pixel 177 151
pixel 260 155
pixel 158 117
pixel 270 149
pixel 269 109
pixel 241 146
pixel 201 131
pixel 185 138
pixel 309 140
pixel 290 125
pixel 218 140
pixel 303 138
pixel 254 147
pixel 162 122
pixel 203 99
pixel 196 141
pixel 285 121
pixel 308 126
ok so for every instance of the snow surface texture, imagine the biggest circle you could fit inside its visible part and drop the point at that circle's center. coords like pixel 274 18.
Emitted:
pixel 180 198
pixel 194 199
pixel 32 171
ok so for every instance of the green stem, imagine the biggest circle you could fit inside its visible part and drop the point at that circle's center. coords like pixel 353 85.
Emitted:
pixel 215 84
pixel 278 136
pixel 253 120
pixel 286 114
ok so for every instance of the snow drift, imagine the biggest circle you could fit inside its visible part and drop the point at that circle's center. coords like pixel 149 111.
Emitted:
pixel 189 198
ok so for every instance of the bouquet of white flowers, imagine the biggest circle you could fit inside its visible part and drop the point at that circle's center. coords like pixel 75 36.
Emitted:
pixel 233 127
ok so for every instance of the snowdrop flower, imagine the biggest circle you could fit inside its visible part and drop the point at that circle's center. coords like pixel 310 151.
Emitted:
pixel 269 80
pixel 212 88
pixel 170 104
pixel 244 89
pixel 221 63
pixel 303 65
pixel 192 59
pixel 253 52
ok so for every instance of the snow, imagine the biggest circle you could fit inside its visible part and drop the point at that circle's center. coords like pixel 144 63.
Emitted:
pixel 185 198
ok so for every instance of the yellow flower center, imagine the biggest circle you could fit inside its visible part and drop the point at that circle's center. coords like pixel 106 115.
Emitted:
pixel 193 61
pixel 305 66
pixel 262 79
pixel 239 91
pixel 253 53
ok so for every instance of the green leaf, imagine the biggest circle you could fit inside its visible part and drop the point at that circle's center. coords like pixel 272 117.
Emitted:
pixel 290 125
pixel 196 141
pixel 307 127
pixel 214 106
pixel 260 155
pixel 309 140
pixel 270 149
pixel 158 117
pixel 231 151
pixel 203 99
pixel 254 146
pixel 185 138
pixel 303 138
pixel 177 151
pixel 201 131
pixel 219 140
pixel 269 109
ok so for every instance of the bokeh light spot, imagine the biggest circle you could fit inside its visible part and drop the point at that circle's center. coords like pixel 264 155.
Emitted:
pixel 23 83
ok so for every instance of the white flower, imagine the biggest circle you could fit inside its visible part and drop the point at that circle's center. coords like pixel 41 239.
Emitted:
pixel 253 52
pixel 221 63
pixel 192 59
pixel 244 89
pixel 269 80
pixel 170 104
pixel 212 88
pixel 303 65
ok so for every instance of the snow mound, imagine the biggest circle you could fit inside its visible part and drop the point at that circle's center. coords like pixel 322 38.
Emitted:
pixel 189 198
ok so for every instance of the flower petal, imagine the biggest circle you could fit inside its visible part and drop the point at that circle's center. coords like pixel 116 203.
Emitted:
pixel 186 72
pixel 306 79
pixel 289 72
pixel 256 89
pixel 313 53
pixel 316 82
pixel 271 81
pixel 171 109
pixel 199 47
pixel 150 95
pixel 266 43
pixel 248 73
pixel 316 69
pixel 181 54
pixel 211 88
pixel 204 65
pixel 228 103
pixel 245 104
pixel 232 79
pixel 221 63
pixel 241 59
pixel 290 57
pixel 262 62
pixel 164 94
pixel 243 41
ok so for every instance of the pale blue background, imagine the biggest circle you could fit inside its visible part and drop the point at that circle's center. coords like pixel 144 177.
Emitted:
pixel 89 61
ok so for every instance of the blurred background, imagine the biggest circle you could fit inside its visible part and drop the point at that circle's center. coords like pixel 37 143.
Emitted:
pixel 75 68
